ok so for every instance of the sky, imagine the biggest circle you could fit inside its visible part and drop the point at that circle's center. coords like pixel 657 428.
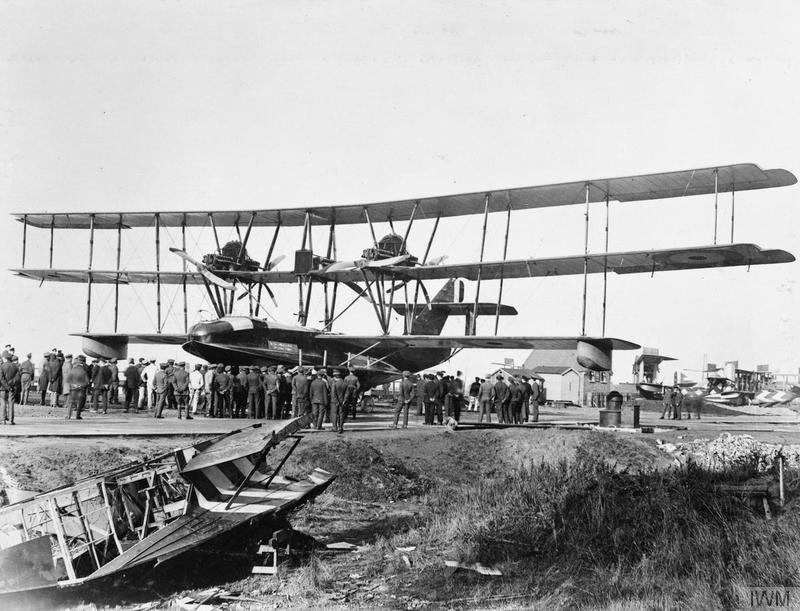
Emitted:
pixel 120 106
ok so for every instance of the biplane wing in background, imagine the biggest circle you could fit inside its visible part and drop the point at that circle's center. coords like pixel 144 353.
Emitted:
pixel 630 262
pixel 663 185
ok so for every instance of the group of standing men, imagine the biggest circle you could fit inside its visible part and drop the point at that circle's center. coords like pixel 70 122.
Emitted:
pixel 514 402
pixel 676 404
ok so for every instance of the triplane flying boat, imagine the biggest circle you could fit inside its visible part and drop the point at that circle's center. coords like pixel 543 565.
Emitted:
pixel 387 275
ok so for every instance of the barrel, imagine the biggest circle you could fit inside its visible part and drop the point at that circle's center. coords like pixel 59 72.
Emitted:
pixel 610 417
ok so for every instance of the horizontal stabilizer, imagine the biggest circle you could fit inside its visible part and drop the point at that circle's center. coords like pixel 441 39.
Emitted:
pixel 115 345
pixel 454 308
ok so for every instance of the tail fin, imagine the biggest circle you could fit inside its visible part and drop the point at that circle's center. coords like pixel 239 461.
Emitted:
pixel 430 321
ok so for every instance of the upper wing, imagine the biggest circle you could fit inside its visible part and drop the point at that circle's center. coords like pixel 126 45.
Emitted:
pixel 134 338
pixel 631 262
pixel 471 341
pixel 739 177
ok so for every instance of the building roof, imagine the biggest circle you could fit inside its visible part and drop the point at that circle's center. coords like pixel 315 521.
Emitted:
pixel 553 369
pixel 517 372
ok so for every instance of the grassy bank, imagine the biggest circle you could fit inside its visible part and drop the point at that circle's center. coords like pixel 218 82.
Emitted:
pixel 591 531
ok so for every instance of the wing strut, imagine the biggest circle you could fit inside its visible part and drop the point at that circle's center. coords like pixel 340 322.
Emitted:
pixel 158 276
pixel 500 292
pixel 605 273
pixel 486 199
pixel 116 277
pixel 585 262
pixel 89 275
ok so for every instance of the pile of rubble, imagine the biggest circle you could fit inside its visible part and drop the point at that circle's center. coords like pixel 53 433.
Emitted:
pixel 728 451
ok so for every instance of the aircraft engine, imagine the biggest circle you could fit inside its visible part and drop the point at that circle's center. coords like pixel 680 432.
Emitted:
pixel 594 354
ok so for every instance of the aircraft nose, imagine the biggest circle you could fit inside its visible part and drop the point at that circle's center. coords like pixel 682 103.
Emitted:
pixel 204 331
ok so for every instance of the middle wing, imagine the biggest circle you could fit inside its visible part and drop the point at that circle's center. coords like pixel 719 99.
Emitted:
pixel 630 262
pixel 509 342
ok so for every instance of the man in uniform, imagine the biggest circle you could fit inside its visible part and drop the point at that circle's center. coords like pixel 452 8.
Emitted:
pixel 271 383
pixel 516 393
pixel 54 378
pixel 300 388
pixel 253 386
pixel 666 401
pixel 501 398
pixel 26 378
pixel 196 383
pixel 132 381
pixel 160 385
pixel 101 376
pixel 338 402
pixel 113 383
pixel 318 393
pixel 9 376
pixel 431 397
pixel 65 388
pixel 457 396
pixel 208 387
pixel 180 379
pixel 222 391
pixel 407 396
pixel 485 399
pixel 473 395
pixel 44 371
pixel 78 382
pixel 353 388
pixel 536 394
pixel 442 397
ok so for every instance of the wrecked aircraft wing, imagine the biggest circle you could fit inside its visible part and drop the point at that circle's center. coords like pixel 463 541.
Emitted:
pixel 148 512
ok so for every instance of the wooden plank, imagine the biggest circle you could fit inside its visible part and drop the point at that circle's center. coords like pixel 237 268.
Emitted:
pixel 62 540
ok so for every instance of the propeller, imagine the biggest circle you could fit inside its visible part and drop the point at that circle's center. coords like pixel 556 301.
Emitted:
pixel 203 269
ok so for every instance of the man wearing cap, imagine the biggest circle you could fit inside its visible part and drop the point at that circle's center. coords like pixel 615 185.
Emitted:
pixel 430 396
pixel 132 381
pixel 196 383
pixel 338 402
pixel 501 398
pixel 101 376
pixel 516 393
pixel 113 383
pixel 253 388
pixel 26 378
pixel 271 394
pixel 180 380
pixel 300 388
pixel 208 388
pixel 407 396
pixel 54 379
pixel 284 392
pixel 473 395
pixel 9 375
pixel 353 389
pixel 65 389
pixel 149 376
pixel 222 391
pixel 160 384
pixel 318 393
pixel 485 399
pixel 78 380
pixel 533 401
pixel 44 370
pixel 442 397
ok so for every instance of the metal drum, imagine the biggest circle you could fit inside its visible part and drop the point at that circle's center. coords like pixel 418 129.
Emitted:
pixel 610 417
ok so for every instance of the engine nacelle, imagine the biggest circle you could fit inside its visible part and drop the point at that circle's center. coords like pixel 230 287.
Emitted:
pixel 595 355
pixel 106 347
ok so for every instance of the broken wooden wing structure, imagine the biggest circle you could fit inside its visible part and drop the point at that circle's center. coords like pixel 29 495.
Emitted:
pixel 146 513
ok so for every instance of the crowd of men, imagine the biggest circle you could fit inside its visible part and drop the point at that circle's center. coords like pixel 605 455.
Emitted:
pixel 214 390
pixel 439 396
pixel 676 405
pixel 225 391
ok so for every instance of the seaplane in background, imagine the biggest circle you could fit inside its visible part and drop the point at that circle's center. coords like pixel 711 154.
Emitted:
pixel 646 368
pixel 386 271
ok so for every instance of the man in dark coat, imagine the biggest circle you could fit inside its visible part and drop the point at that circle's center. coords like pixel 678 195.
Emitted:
pixel 318 394
pixel 78 380
pixel 442 397
pixel 101 376
pixel 430 392
pixel 9 376
pixel 161 384
pixel 300 388
pixel 180 381
pixel 222 392
pixel 253 386
pixel 516 394
pixel 26 370
pixel 44 371
pixel 271 385
pixel 407 397
pixel 456 388
pixel 54 379
pixel 338 402
pixel 113 383
pixel 132 381
pixel 353 388
pixel 501 398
